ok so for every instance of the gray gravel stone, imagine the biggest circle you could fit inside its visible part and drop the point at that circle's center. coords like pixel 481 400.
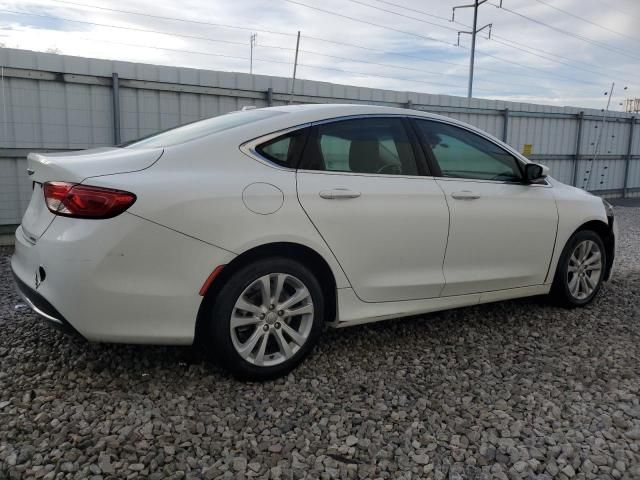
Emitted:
pixel 513 390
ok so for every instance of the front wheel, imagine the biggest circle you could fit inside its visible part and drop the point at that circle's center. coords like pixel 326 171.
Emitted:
pixel 580 270
pixel 266 318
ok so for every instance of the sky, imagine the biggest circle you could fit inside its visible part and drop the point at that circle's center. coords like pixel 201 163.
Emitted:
pixel 556 52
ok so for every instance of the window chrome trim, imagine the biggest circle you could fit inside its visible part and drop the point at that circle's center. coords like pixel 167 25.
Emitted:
pixel 362 174
pixel 546 184
pixel 249 147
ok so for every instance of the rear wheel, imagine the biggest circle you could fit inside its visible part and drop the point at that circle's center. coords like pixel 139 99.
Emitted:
pixel 266 318
pixel 580 270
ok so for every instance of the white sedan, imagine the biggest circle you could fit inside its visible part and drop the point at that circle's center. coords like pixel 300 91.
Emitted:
pixel 251 231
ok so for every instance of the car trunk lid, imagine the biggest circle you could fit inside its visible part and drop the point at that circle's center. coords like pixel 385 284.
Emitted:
pixel 76 167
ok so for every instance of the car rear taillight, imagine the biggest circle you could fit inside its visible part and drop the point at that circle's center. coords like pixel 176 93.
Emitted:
pixel 85 201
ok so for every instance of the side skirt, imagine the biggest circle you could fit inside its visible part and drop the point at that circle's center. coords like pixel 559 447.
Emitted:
pixel 353 311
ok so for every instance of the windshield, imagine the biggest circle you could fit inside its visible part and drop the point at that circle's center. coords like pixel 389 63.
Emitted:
pixel 201 128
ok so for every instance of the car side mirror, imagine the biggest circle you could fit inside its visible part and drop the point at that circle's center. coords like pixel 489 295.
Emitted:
pixel 534 172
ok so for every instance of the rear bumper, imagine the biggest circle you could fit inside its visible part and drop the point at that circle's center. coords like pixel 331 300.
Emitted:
pixel 121 280
pixel 42 307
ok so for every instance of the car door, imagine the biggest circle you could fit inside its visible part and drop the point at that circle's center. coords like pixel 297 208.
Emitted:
pixel 502 231
pixel 363 184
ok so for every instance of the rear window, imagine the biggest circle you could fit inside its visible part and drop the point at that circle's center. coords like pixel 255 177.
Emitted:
pixel 201 128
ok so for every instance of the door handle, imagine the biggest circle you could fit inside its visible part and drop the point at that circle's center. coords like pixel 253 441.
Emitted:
pixel 465 195
pixel 339 193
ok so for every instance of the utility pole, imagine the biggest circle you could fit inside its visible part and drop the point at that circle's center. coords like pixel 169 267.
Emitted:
pixel 596 150
pixel 473 33
pixel 295 67
pixel 252 44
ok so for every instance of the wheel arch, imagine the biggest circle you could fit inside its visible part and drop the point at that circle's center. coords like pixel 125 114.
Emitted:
pixel 605 232
pixel 304 254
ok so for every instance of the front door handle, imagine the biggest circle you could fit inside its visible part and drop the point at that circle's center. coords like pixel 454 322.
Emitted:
pixel 339 193
pixel 465 195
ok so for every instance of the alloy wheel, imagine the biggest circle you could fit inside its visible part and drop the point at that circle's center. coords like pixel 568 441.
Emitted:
pixel 271 319
pixel 584 270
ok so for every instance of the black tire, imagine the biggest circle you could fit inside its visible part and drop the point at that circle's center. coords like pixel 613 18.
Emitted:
pixel 219 342
pixel 560 291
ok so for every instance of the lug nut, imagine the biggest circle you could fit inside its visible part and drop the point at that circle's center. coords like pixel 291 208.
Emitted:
pixel 277 325
pixel 262 316
pixel 271 307
pixel 280 313
pixel 265 328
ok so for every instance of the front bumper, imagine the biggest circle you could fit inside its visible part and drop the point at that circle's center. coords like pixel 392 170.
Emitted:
pixel 610 243
pixel 42 307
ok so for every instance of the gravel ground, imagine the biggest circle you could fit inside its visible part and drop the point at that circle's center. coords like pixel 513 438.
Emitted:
pixel 515 390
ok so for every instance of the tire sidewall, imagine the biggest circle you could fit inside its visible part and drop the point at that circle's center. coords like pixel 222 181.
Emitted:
pixel 219 341
pixel 561 287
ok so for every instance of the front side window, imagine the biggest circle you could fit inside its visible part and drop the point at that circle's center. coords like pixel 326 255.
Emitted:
pixel 363 145
pixel 463 154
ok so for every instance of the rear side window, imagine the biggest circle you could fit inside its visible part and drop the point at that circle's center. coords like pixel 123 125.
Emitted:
pixel 364 145
pixel 463 154
pixel 285 149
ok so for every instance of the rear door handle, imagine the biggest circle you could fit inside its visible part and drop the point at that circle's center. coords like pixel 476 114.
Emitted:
pixel 465 195
pixel 339 193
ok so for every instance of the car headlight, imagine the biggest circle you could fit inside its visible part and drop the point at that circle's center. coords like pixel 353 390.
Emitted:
pixel 608 208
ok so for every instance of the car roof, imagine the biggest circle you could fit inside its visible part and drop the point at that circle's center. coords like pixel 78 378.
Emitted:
pixel 332 110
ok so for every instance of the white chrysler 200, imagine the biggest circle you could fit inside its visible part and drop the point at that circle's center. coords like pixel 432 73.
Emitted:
pixel 250 231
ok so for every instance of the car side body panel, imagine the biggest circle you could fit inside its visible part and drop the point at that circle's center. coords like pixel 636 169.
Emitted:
pixel 486 250
pixel 136 278
pixel 390 240
pixel 212 191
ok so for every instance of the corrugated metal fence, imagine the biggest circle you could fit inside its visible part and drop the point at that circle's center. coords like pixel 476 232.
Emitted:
pixel 55 102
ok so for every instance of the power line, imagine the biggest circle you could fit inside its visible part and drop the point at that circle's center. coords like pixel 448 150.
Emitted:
pixel 574 63
pixel 484 54
pixel 570 34
pixel 615 7
pixel 424 59
pixel 208 39
pixel 136 29
pixel 177 19
pixel 238 43
pixel 401 14
pixel 414 10
pixel 506 44
pixel 429 38
pixel 450 75
pixel 281 62
pixel 281 48
pixel 511 41
pixel 237 27
pixel 417 35
pixel 220 25
pixel 586 20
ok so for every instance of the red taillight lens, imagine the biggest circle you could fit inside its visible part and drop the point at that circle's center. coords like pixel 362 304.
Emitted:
pixel 85 201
